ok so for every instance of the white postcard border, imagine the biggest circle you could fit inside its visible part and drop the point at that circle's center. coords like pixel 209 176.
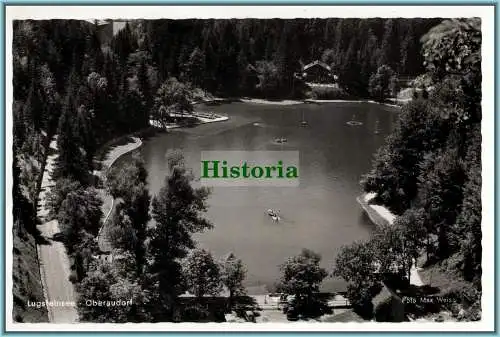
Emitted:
pixel 486 13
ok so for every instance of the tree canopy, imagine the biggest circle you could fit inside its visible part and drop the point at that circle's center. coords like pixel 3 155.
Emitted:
pixel 428 171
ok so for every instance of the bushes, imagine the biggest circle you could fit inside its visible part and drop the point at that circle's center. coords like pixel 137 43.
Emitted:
pixel 195 313
pixel 383 311
pixel 469 303
pixel 383 83
pixel 302 277
pixel 79 213
pixel 58 194
pixel 324 92
pixel 398 164
pixel 202 273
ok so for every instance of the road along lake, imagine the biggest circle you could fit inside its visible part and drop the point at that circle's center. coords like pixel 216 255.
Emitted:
pixel 336 145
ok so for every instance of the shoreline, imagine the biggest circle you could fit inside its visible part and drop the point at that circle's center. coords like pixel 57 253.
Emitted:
pixel 116 152
pixel 288 102
pixel 200 116
pixel 110 157
pixel 271 102
pixel 350 101
pixel 379 215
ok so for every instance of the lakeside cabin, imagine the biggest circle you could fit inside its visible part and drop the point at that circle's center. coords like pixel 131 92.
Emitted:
pixel 319 73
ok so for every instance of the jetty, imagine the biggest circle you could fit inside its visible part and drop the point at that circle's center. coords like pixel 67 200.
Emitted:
pixel 378 214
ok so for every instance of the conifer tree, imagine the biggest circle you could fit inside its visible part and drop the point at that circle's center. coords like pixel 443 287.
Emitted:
pixel 177 212
pixel 71 162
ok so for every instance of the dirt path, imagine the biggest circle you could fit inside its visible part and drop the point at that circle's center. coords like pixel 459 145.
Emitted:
pixel 54 262
pixel 120 150
pixel 415 276
pixel 109 160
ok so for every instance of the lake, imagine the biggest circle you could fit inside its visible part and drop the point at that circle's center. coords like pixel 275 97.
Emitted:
pixel 321 214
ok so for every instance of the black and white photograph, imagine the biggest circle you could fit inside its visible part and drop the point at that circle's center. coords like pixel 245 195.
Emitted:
pixel 249 168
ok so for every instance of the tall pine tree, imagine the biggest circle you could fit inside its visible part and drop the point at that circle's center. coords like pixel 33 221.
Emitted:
pixel 71 161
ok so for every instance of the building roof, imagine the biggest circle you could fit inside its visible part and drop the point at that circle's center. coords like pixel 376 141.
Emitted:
pixel 381 297
pixel 317 63
pixel 100 22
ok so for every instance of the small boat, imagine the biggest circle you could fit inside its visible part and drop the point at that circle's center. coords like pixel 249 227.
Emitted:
pixel 274 215
pixel 354 122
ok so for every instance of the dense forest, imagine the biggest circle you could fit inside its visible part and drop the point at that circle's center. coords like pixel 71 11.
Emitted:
pixel 223 49
pixel 68 83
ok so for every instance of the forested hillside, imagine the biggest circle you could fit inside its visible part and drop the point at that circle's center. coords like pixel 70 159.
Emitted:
pixel 428 173
pixel 219 51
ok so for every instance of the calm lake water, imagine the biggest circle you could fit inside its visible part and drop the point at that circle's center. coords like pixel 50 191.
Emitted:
pixel 321 214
